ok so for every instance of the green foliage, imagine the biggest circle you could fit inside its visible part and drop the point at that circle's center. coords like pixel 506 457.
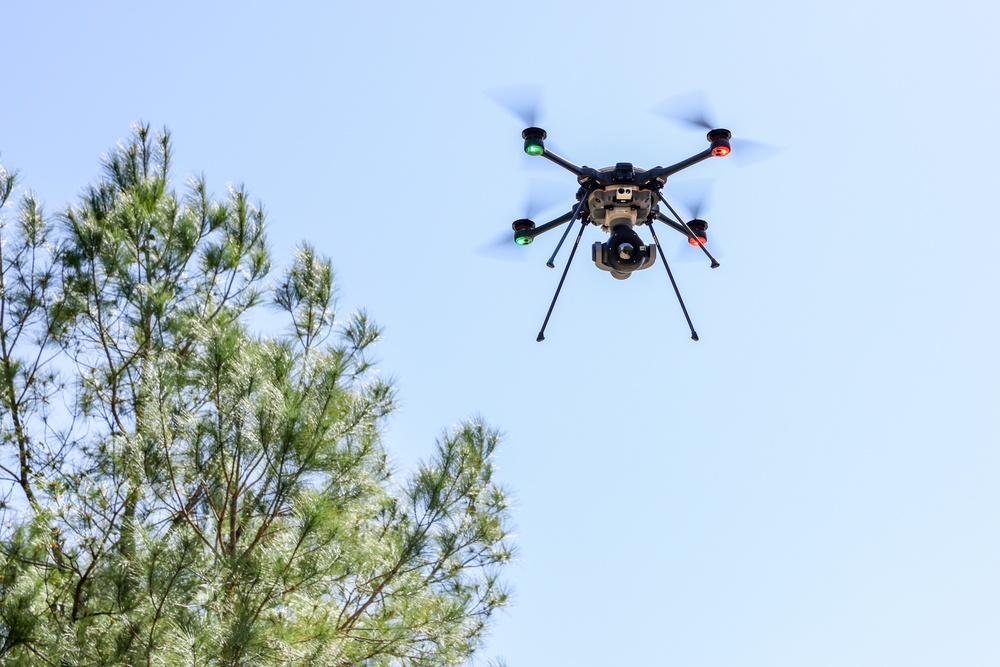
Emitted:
pixel 178 490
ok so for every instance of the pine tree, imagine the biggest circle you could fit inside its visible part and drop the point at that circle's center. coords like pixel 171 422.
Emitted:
pixel 179 490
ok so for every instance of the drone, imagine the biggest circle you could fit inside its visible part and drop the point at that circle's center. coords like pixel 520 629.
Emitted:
pixel 618 199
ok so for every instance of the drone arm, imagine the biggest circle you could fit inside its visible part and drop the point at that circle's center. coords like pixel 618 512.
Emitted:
pixel 673 224
pixel 567 165
pixel 662 173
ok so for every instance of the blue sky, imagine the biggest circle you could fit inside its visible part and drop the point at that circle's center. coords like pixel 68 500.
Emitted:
pixel 815 481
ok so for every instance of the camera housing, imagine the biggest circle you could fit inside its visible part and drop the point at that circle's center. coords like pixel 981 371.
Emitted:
pixel 623 253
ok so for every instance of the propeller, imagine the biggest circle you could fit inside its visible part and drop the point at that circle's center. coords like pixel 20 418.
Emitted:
pixel 524 102
pixel 695 197
pixel 540 196
pixel 689 109
pixel 692 111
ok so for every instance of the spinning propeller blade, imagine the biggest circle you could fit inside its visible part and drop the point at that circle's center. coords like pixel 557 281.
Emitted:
pixel 747 152
pixel 523 100
pixel 541 196
pixel 502 247
pixel 690 109
pixel 694 197
pixel 693 112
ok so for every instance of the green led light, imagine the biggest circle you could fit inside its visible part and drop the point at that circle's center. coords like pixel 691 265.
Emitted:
pixel 522 240
pixel 532 147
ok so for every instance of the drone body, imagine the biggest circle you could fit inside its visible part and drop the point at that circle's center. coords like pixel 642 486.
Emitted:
pixel 618 199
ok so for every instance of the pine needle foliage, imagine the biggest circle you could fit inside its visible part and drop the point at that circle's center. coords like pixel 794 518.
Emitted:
pixel 178 490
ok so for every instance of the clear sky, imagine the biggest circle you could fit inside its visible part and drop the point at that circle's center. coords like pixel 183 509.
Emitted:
pixel 815 482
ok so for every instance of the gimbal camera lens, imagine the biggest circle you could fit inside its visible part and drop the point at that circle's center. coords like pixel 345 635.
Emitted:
pixel 623 253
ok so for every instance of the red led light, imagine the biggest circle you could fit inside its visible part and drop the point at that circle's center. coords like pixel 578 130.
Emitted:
pixel 720 151
pixel 695 241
